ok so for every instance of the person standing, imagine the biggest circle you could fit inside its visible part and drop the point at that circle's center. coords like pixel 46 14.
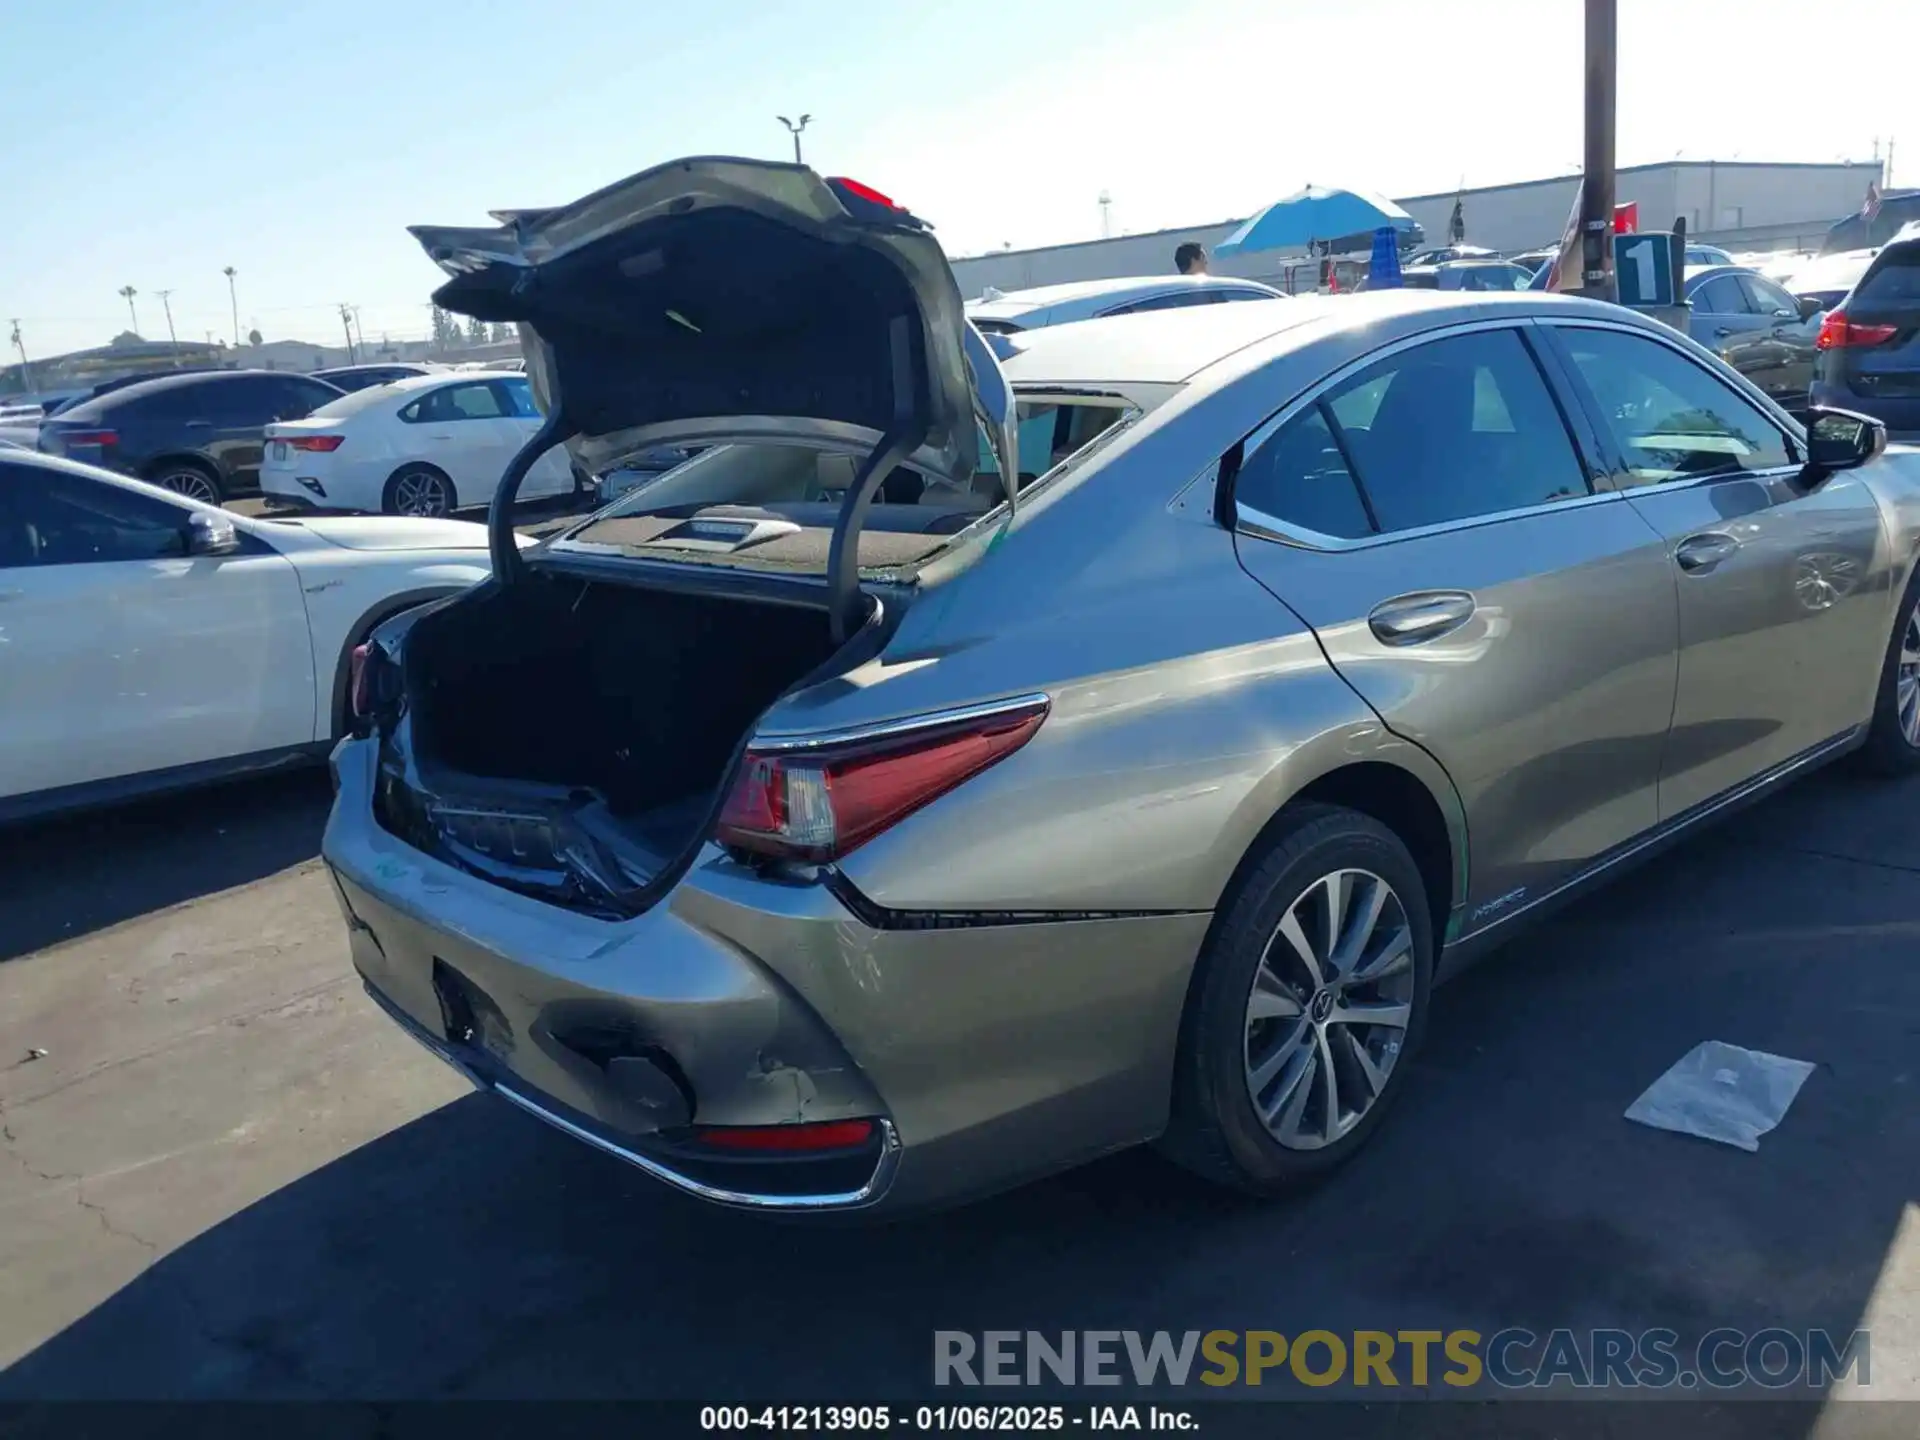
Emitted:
pixel 1191 258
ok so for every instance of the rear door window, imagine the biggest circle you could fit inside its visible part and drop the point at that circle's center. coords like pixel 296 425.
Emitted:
pixel 1721 295
pixel 1455 429
pixel 1298 474
pixel 1178 300
pixel 1671 419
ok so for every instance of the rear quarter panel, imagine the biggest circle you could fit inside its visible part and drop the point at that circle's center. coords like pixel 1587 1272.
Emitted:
pixel 1894 479
pixel 1188 704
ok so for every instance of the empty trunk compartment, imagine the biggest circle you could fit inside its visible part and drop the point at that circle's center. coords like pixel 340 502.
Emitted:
pixel 569 737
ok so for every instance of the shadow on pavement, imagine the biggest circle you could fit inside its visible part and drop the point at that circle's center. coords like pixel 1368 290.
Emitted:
pixel 474 1253
pixel 68 878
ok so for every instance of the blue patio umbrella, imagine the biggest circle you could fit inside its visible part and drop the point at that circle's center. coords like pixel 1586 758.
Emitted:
pixel 1384 272
pixel 1317 213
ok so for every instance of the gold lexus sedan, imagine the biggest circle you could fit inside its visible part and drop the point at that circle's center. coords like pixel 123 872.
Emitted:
pixel 987 753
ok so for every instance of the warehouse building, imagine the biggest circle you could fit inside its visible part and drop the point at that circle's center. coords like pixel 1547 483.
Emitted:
pixel 1738 205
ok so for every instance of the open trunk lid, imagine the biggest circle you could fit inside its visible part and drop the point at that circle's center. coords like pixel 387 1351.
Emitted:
pixel 715 299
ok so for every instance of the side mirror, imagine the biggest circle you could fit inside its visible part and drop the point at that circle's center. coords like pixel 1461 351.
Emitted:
pixel 1810 306
pixel 209 534
pixel 1841 440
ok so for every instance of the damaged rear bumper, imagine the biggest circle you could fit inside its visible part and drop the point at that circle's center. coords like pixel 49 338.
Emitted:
pixel 983 1056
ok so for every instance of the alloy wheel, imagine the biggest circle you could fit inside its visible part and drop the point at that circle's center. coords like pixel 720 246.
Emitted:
pixel 422 494
pixel 1906 677
pixel 1328 1010
pixel 191 483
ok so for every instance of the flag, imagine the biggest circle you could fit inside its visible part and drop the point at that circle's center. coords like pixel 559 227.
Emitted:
pixel 1870 207
pixel 1563 271
pixel 1457 225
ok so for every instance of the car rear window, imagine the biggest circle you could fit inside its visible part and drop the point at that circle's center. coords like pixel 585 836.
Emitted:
pixel 1894 280
pixel 771 506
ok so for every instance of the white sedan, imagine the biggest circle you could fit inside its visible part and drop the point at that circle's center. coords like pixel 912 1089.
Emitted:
pixel 427 445
pixel 149 642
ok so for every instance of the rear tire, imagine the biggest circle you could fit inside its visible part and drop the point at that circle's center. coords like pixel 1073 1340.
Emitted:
pixel 1290 1057
pixel 1893 737
pixel 195 479
pixel 419 490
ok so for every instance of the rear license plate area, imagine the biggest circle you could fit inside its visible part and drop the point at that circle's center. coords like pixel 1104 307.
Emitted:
pixel 468 1015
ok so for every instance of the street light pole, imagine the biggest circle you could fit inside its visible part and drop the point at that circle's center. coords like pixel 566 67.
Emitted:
pixel 346 324
pixel 1596 185
pixel 172 339
pixel 794 128
pixel 233 298
pixel 26 370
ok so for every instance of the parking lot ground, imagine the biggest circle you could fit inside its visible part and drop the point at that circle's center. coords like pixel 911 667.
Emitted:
pixel 230 1177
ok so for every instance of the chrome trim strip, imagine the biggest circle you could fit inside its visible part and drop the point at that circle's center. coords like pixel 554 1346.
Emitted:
pixel 1263 526
pixel 1662 833
pixel 784 740
pixel 876 1186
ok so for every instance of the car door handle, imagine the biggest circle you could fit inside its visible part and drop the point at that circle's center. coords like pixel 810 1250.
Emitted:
pixel 1698 554
pixel 199 424
pixel 1723 332
pixel 1415 619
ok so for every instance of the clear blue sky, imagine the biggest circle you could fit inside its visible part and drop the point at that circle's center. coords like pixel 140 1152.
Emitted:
pixel 152 144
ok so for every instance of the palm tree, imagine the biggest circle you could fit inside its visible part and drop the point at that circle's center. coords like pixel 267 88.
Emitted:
pixel 127 292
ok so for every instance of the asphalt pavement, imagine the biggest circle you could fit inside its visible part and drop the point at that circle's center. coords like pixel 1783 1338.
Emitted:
pixel 228 1176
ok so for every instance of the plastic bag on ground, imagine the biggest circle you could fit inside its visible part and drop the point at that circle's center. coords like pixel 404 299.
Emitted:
pixel 1722 1092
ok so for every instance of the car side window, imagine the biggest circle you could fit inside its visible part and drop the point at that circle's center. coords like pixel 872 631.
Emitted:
pixel 1721 295
pixel 1297 474
pixel 294 398
pixel 48 517
pixel 1455 429
pixel 1671 418
pixel 1766 298
pixel 1178 300
pixel 516 398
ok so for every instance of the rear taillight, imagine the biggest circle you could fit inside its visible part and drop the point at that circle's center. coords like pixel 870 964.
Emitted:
pixel 89 437
pixel 865 192
pixel 360 682
pixel 323 444
pixel 1837 332
pixel 819 803
pixel 786 1139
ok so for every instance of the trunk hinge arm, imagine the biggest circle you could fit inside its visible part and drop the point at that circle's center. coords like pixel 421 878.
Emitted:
pixel 501 545
pixel 903 436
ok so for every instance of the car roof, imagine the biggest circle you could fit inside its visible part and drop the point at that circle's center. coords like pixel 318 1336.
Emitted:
pixel 1175 346
pixel 1699 275
pixel 1019 302
pixel 412 366
pixel 185 380
pixel 449 377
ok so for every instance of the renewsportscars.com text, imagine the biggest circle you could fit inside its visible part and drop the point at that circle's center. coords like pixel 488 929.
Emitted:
pixel 1513 1358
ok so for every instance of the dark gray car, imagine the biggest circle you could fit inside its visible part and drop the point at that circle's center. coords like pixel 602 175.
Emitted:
pixel 1756 327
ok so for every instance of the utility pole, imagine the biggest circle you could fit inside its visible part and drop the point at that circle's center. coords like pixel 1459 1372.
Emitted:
pixel 794 128
pixel 26 370
pixel 233 298
pixel 1596 185
pixel 346 324
pixel 127 292
pixel 173 339
pixel 1106 215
